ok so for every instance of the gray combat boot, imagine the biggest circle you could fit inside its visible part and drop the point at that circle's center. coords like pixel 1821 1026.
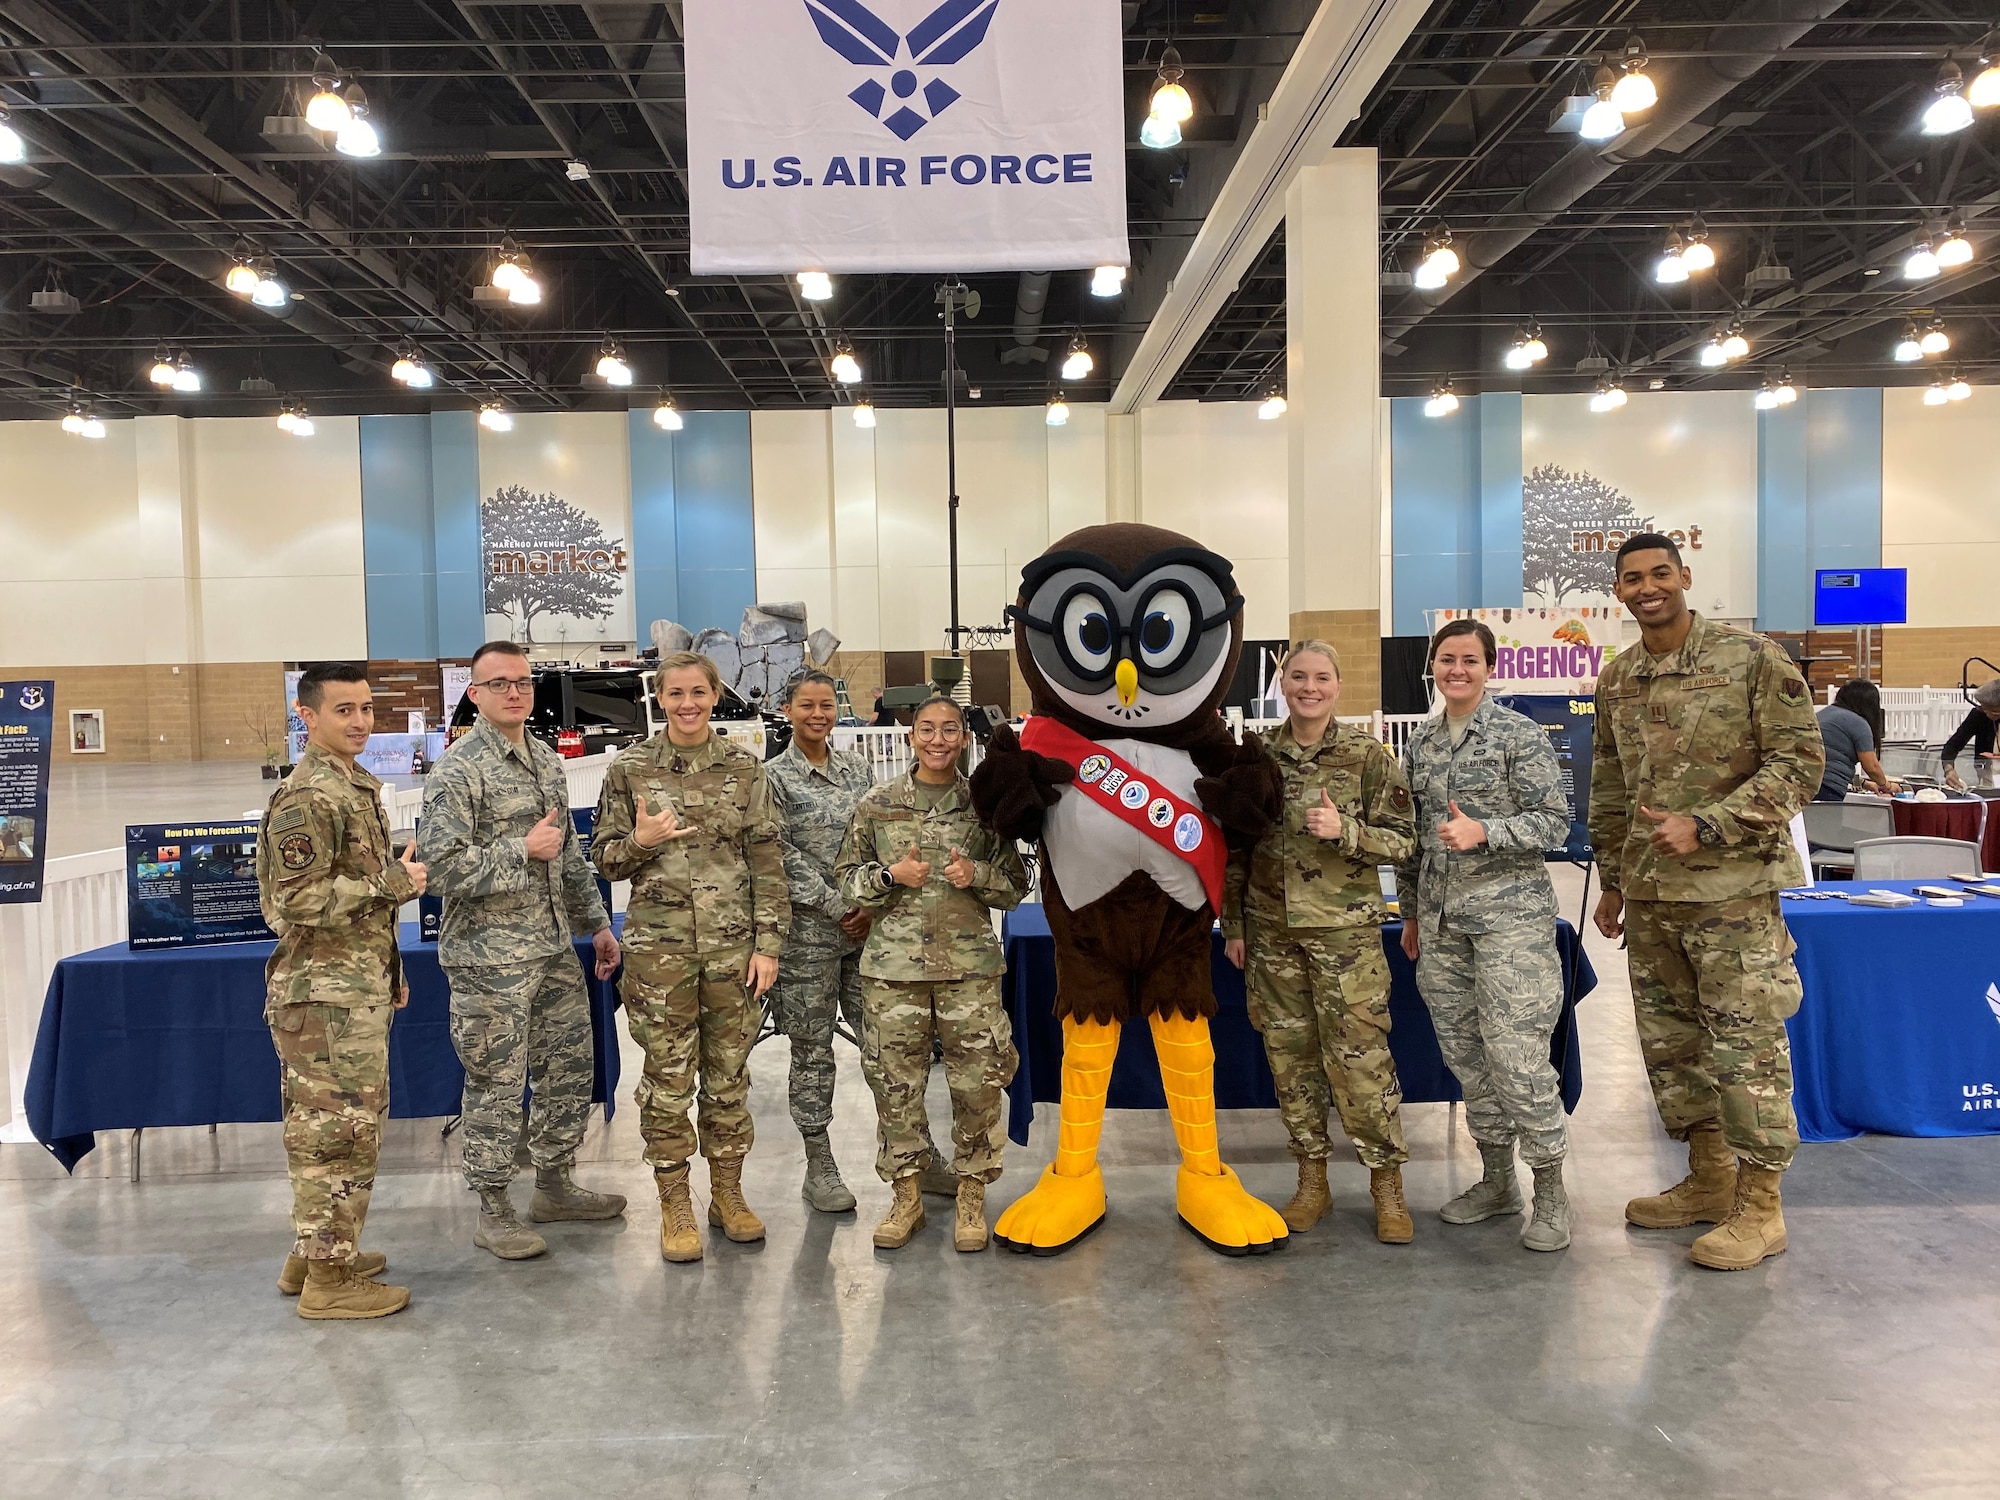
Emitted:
pixel 1549 1228
pixel 1494 1194
pixel 558 1198
pixel 502 1233
pixel 823 1188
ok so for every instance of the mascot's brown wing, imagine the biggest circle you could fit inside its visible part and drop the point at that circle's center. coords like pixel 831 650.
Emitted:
pixel 1239 786
pixel 1013 788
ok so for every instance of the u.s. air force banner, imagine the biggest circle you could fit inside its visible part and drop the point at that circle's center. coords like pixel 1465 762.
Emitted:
pixel 905 135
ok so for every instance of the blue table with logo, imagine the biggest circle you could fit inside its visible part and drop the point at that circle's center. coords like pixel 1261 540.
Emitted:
pixel 1899 1032
pixel 176 1036
pixel 1242 1075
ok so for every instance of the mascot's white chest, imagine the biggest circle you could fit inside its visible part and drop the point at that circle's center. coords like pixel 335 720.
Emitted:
pixel 1092 850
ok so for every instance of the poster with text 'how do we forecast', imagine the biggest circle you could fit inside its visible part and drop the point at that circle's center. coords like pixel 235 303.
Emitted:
pixel 188 884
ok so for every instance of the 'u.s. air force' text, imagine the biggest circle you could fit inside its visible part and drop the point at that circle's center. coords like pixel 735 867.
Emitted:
pixel 1040 170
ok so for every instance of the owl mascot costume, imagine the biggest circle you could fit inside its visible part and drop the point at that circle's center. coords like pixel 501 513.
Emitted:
pixel 1127 777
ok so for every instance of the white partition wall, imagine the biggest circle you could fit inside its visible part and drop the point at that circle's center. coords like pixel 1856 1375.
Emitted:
pixel 1213 471
pixel 1941 506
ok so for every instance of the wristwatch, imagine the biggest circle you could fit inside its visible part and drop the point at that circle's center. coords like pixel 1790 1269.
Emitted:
pixel 1708 833
pixel 888 880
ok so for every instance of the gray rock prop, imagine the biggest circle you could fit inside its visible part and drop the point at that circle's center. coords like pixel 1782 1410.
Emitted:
pixel 821 645
pixel 720 647
pixel 765 625
pixel 669 637
pixel 769 649
pixel 787 609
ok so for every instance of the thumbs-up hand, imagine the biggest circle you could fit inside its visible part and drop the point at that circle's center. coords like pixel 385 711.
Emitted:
pixel 1460 832
pixel 1673 833
pixel 652 829
pixel 911 870
pixel 1323 822
pixel 545 839
pixel 419 877
pixel 961 871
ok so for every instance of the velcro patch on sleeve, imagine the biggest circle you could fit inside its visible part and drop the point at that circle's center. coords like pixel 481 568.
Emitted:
pixel 1399 798
pixel 1791 689
pixel 293 816
pixel 296 851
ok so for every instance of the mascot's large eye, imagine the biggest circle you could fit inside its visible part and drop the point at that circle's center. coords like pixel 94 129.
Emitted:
pixel 1087 632
pixel 1166 629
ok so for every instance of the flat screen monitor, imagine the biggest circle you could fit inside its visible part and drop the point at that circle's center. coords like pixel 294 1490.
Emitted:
pixel 1861 596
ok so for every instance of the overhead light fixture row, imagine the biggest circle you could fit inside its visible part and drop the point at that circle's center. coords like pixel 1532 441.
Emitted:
pixel 1170 107
pixel 495 417
pixel 358 137
pixel 513 275
pixel 292 418
pixel 81 421
pixel 1440 260
pixel 611 365
pixel 815 286
pixel 1443 402
pixel 1107 281
pixel 1610 395
pixel 864 414
pixel 1273 406
pixel 1079 361
pixel 843 366
pixel 1057 414
pixel 1949 110
pixel 1528 349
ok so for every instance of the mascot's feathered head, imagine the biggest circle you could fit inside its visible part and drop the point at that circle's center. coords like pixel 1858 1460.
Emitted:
pixel 1130 629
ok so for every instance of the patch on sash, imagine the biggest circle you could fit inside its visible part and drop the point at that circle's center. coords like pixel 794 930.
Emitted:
pixel 290 818
pixel 296 851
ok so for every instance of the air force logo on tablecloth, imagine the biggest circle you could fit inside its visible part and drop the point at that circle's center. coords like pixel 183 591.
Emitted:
pixel 1993 1000
pixel 941 38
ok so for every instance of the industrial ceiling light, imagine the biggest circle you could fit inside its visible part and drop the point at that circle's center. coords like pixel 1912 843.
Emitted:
pixel 403 368
pixel 495 418
pixel 1079 361
pixel 1634 91
pixel 357 137
pixel 186 377
pixel 1935 339
pixel 1957 389
pixel 667 416
pixel 1604 120
pixel 1909 348
pixel 1671 269
pixel 1170 100
pixel 326 110
pixel 1787 392
pixel 287 418
pixel 1921 264
pixel 421 378
pixel 1161 135
pixel 1443 402
pixel 162 373
pixel 94 428
pixel 1954 249
pixel 1699 254
pixel 611 364
pixel 1058 412
pixel 72 421
pixel 1527 350
pixel 577 171
pixel 1950 112
pixel 1107 281
pixel 508 272
pixel 242 277
pixel 1734 344
pixel 293 419
pixel 12 148
pixel 844 367
pixel 1938 393
pixel 269 291
pixel 864 414
pixel 1985 90
pixel 1767 396
pixel 1610 396
pixel 1273 406
pixel 1710 355
pixel 1440 262
pixel 815 286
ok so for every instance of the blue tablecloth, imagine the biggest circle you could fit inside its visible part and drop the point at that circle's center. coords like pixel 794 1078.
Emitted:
pixel 176 1036
pixel 1899 1032
pixel 1242 1076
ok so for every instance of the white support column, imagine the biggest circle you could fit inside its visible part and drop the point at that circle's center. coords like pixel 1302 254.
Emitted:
pixel 169 541
pixel 1334 425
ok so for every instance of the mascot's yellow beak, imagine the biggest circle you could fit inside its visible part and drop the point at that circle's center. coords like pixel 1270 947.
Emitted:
pixel 1128 681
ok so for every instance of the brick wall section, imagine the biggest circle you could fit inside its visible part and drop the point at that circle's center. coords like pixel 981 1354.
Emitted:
pixel 1913 656
pixel 862 672
pixel 156 713
pixel 1357 635
pixel 401 686
pixel 235 700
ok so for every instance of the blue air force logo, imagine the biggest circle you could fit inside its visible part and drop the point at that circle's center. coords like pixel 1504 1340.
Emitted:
pixel 942 38
pixel 31 698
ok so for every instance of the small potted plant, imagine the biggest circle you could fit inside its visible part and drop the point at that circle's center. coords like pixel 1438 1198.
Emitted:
pixel 260 723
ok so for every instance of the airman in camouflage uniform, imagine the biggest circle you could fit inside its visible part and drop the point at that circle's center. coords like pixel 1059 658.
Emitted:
pixel 330 884
pixel 931 972
pixel 820 975
pixel 520 1013
pixel 1309 912
pixel 1486 962
pixel 1703 754
pixel 702 904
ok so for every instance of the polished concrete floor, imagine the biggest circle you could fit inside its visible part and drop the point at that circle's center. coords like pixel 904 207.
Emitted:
pixel 144 1351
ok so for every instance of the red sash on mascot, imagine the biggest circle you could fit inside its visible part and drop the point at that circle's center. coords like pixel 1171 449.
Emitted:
pixel 1121 789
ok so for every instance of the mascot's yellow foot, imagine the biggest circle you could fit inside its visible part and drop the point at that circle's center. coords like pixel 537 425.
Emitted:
pixel 1054 1214
pixel 1221 1213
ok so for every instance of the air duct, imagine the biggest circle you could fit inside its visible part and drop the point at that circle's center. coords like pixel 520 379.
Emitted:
pixel 1031 300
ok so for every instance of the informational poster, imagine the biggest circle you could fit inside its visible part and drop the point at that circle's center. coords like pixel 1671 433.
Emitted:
pixel 1544 650
pixel 295 725
pixel 1570 722
pixel 905 135
pixel 188 884
pixel 27 731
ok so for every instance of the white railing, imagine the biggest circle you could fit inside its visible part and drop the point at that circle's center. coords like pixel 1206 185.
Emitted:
pixel 1919 715
pixel 82 907
pixel 1393 730
pixel 584 775
pixel 887 749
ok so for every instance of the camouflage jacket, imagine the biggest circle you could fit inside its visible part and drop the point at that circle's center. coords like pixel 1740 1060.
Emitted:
pixel 721 887
pixel 938 931
pixel 1294 879
pixel 1505 775
pixel 815 805
pixel 500 906
pixel 1722 731
pixel 329 883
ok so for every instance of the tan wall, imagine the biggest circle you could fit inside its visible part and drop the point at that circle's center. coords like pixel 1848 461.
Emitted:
pixel 1916 657
pixel 1357 635
pixel 167 712
pixel 862 672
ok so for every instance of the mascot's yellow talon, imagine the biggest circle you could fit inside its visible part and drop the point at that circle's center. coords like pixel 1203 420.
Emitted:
pixel 1220 1211
pixel 1054 1214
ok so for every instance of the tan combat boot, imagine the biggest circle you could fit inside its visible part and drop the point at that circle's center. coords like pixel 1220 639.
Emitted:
pixel 969 1233
pixel 680 1237
pixel 1707 1195
pixel 905 1217
pixel 1392 1215
pixel 1313 1201
pixel 726 1209
pixel 559 1197
pixel 292 1279
pixel 1753 1232
pixel 333 1291
pixel 501 1230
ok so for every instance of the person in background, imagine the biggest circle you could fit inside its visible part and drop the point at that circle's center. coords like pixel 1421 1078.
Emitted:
pixel 330 886
pixel 505 857
pixel 1705 749
pixel 1851 729
pixel 687 818
pixel 1304 913
pixel 917 859
pixel 1976 732
pixel 885 717
pixel 815 788
pixel 1479 919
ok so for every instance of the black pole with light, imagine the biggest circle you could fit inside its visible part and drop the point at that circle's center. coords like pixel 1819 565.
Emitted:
pixel 952 296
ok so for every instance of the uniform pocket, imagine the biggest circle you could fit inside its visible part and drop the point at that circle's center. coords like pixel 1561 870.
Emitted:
pixel 1767 986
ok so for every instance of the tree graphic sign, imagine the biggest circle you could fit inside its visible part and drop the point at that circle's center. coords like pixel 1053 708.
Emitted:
pixel 547 559
pixel 1572 525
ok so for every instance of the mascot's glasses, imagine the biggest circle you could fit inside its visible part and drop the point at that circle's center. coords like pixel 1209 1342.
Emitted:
pixel 1163 630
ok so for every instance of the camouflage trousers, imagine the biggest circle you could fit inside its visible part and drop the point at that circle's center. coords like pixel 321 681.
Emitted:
pixel 968 1021
pixel 1320 999
pixel 1494 999
pixel 336 1089
pixel 1712 984
pixel 695 1021
pixel 817 982
pixel 517 1026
